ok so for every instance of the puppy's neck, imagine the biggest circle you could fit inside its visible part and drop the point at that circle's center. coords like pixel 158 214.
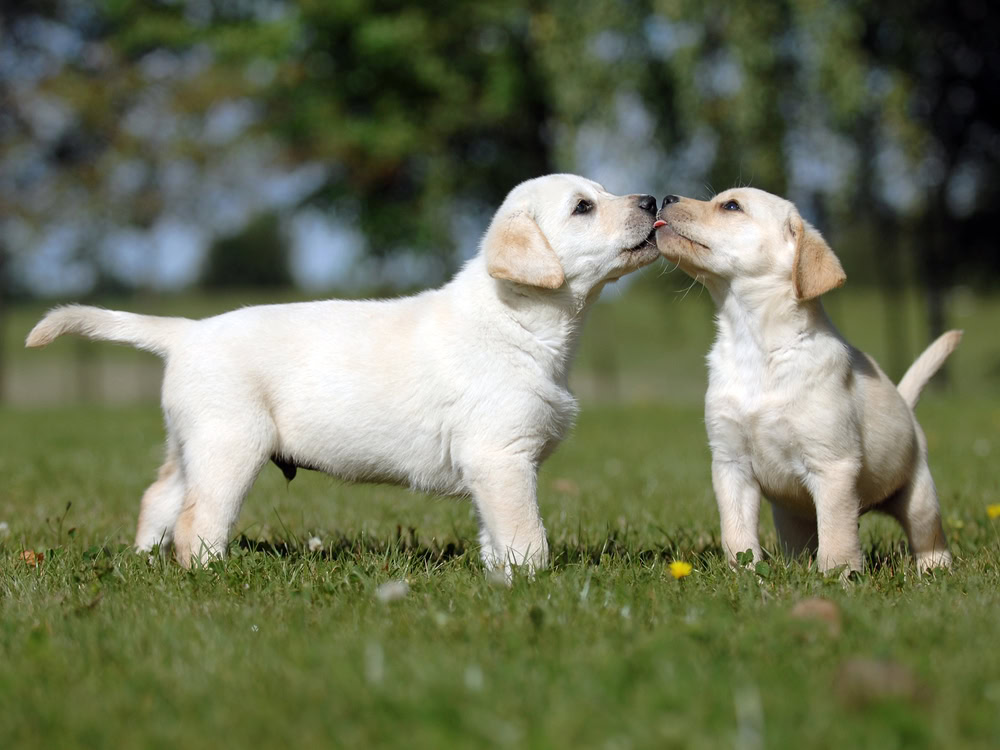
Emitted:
pixel 771 322
pixel 544 323
pixel 551 321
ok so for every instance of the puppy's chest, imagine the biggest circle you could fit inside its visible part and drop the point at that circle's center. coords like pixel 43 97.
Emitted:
pixel 750 420
pixel 557 418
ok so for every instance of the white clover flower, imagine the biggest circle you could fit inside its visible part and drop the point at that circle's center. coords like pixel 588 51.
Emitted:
pixel 390 591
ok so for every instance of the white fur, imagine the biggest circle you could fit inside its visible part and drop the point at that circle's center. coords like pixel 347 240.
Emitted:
pixel 793 411
pixel 460 390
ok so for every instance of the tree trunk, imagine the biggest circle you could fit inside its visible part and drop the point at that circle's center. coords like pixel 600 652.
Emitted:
pixel 934 269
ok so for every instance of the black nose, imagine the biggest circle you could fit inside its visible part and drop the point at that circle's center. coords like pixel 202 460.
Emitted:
pixel 647 203
pixel 668 199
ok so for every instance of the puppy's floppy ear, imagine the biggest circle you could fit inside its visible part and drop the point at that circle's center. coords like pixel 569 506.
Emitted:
pixel 516 250
pixel 816 270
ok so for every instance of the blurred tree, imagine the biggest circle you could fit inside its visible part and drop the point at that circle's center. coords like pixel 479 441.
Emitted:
pixel 415 109
pixel 950 56
pixel 413 116
pixel 255 256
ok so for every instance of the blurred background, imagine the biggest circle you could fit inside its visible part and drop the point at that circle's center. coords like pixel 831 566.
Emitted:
pixel 187 157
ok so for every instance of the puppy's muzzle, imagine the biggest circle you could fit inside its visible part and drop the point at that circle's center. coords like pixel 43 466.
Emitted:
pixel 667 200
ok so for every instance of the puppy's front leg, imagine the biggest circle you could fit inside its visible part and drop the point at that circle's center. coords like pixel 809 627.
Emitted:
pixel 738 496
pixel 837 510
pixel 505 495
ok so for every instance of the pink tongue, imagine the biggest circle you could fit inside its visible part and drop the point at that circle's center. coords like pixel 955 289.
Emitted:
pixel 659 223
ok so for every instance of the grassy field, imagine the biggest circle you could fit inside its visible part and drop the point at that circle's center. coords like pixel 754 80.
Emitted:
pixel 283 645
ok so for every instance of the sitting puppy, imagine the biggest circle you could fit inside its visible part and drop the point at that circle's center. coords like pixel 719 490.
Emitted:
pixel 793 411
pixel 460 390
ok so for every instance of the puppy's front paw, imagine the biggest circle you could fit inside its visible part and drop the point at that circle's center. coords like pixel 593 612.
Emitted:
pixel 502 570
pixel 931 560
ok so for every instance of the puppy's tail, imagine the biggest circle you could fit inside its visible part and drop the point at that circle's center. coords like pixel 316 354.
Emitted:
pixel 927 364
pixel 147 332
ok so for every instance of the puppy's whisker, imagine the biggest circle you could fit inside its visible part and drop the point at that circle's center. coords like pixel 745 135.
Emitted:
pixel 668 268
pixel 689 288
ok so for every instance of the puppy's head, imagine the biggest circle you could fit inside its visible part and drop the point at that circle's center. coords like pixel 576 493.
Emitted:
pixel 563 230
pixel 746 233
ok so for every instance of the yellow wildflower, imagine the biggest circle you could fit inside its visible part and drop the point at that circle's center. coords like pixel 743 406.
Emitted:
pixel 993 511
pixel 679 569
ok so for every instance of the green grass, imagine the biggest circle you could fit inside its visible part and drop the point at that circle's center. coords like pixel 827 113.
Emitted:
pixel 103 648
pixel 281 646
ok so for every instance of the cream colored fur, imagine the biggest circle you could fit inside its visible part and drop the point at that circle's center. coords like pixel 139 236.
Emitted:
pixel 460 390
pixel 793 411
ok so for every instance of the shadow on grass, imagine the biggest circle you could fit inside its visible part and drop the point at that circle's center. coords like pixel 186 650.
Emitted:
pixel 343 548
pixel 615 547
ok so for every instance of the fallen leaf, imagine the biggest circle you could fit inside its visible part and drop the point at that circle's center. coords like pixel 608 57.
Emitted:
pixel 862 681
pixel 566 486
pixel 32 558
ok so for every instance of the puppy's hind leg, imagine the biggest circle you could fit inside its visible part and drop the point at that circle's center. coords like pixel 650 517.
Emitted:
pixel 917 510
pixel 161 505
pixel 487 550
pixel 796 534
pixel 221 463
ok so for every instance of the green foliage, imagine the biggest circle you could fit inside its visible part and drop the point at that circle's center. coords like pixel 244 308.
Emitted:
pixel 256 256
pixel 424 112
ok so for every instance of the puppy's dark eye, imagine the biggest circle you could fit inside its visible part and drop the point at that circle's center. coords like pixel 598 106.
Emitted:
pixel 731 206
pixel 583 207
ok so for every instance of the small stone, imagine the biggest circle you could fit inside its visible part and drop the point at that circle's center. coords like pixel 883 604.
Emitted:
pixel 820 610
pixel 390 591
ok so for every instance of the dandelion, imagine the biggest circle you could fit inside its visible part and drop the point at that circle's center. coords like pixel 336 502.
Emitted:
pixel 993 511
pixel 680 569
pixel 315 544
pixel 4 528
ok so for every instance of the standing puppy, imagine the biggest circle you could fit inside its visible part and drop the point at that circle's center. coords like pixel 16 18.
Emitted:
pixel 793 411
pixel 460 390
